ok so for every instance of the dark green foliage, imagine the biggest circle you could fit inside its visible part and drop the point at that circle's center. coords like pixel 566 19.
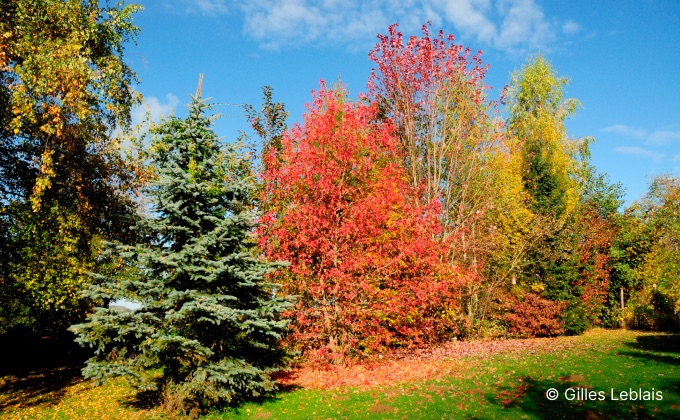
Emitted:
pixel 576 318
pixel 64 186
pixel 596 226
pixel 270 123
pixel 562 272
pixel 573 205
pixel 599 194
pixel 666 317
pixel 208 329
pixel 542 182
pixel 631 242
pixel 583 272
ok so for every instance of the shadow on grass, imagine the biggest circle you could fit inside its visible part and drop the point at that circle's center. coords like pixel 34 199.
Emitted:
pixel 648 347
pixel 656 358
pixel 582 401
pixel 237 406
pixel 145 400
pixel 38 370
pixel 665 343
pixel 573 401
pixel 44 387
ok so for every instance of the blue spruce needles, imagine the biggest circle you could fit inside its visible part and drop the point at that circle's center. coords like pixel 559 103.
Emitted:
pixel 209 326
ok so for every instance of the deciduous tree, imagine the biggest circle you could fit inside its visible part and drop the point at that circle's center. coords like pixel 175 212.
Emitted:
pixel 655 297
pixel 269 123
pixel 433 91
pixel 64 88
pixel 552 172
pixel 366 263
pixel 537 109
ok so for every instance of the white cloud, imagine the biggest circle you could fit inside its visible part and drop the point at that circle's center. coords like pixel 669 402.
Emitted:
pixel 470 17
pixel 523 24
pixel 508 25
pixel 155 108
pixel 570 27
pixel 639 151
pixel 656 138
pixel 206 7
pixel 277 23
pixel 626 131
pixel 662 137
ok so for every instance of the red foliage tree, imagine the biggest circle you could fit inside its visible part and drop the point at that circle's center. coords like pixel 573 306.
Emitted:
pixel 595 258
pixel 433 90
pixel 366 266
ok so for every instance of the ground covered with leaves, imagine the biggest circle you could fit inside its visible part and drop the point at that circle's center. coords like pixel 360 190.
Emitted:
pixel 478 379
pixel 438 361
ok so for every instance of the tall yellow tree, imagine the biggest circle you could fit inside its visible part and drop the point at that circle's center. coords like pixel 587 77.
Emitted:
pixel 553 171
pixel 64 89
pixel 550 158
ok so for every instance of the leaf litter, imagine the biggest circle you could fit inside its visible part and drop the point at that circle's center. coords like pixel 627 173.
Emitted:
pixel 428 363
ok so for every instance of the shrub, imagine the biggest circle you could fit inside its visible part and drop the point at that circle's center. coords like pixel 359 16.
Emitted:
pixel 535 316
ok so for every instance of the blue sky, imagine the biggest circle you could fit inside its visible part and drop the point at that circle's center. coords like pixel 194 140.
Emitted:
pixel 622 56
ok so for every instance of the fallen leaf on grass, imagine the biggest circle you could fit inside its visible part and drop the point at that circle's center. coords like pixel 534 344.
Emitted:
pixel 381 408
pixel 573 378
pixel 429 363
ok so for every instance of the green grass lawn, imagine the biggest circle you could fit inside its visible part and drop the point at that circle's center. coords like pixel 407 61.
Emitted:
pixel 593 375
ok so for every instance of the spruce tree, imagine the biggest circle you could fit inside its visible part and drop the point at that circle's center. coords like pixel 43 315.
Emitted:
pixel 209 325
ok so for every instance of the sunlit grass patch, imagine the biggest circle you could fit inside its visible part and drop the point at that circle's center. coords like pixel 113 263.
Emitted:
pixel 513 385
pixel 489 386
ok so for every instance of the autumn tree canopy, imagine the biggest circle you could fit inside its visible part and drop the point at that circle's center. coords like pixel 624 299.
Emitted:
pixel 433 91
pixel 364 257
pixel 64 88
pixel 411 215
pixel 570 206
